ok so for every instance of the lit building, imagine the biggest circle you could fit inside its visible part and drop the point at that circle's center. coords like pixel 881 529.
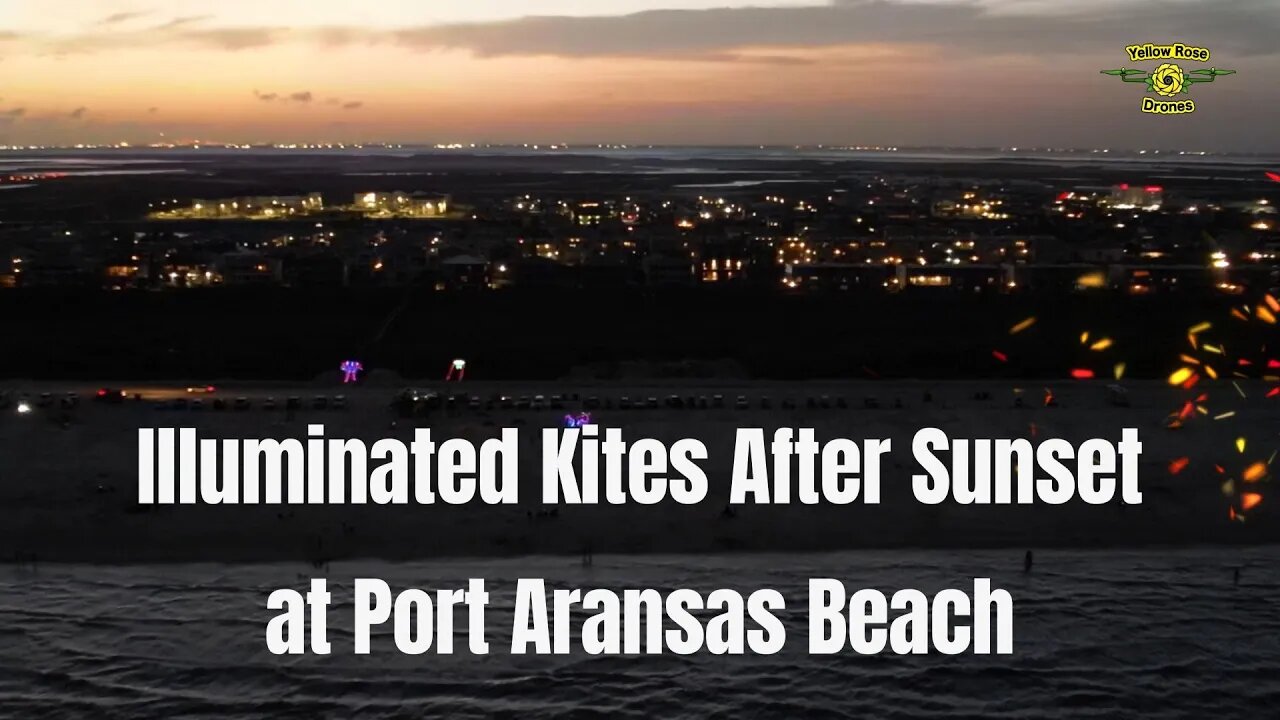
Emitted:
pixel 401 204
pixel 1136 196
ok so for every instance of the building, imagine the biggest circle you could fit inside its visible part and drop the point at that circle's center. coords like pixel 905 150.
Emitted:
pixel 1127 196
pixel 400 204
pixel 259 206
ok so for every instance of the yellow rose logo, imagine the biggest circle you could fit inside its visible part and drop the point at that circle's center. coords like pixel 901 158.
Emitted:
pixel 1168 80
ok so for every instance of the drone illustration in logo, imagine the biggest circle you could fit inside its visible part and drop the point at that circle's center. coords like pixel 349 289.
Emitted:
pixel 1168 79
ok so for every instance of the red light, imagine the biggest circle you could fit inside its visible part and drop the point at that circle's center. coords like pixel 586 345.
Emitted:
pixel 1154 188
pixel 1274 177
pixel 1063 196
pixel 102 393
pixel 1082 374
pixel 1124 186
pixel 210 388
pixel 999 356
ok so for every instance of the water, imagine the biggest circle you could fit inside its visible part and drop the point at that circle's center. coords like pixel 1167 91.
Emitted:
pixel 1159 634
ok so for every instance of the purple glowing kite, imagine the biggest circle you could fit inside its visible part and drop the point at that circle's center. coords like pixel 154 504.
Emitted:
pixel 351 370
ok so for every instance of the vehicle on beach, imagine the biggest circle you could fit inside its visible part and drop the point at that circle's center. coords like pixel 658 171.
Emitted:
pixel 218 404
pixel 201 390
pixel 539 402
pixel 743 403
pixel 269 404
pixel 110 396
pixel 5 400
pixel 319 402
pixel 46 400
pixel 242 404
pixel 340 402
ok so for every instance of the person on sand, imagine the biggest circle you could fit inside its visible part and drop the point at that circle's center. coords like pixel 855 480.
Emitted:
pixel 1026 562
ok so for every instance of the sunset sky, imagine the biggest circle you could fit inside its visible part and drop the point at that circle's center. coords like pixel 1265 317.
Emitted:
pixel 900 72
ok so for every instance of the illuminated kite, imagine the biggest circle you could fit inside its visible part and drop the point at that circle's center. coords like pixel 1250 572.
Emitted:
pixel 457 366
pixel 351 370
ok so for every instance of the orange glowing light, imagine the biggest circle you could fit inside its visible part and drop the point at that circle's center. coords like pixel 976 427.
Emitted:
pixel 1255 472
pixel 1025 324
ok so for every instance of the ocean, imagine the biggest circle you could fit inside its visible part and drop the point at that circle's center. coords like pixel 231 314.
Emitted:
pixel 1122 633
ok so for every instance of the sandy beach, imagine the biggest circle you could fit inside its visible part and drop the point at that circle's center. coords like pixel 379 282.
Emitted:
pixel 69 489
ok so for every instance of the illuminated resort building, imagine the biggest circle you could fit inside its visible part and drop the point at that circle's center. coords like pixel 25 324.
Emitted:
pixel 400 204
pixel 254 207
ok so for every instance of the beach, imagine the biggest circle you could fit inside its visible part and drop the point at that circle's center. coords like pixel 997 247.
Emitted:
pixel 70 494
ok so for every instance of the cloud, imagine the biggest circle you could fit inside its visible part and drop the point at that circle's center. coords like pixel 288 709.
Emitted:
pixel 78 113
pixel 1248 27
pixel 13 112
pixel 352 105
pixel 771 34
pixel 123 17
pixel 180 22
pixel 153 110
pixel 301 97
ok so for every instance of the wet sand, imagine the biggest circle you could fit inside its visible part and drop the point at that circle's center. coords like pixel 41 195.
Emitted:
pixel 69 493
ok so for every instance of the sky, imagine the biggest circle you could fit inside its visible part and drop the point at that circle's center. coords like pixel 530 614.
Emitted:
pixel 834 72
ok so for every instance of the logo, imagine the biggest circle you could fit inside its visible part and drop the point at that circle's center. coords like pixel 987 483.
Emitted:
pixel 1168 79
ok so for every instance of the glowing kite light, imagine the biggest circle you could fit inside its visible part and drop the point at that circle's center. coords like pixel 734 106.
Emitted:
pixel 1180 376
pixel 1179 465
pixel 23 408
pixel 1249 501
pixel 1255 472
pixel 1196 330
pixel 459 367
pixel 1022 326
pixel 351 370
pixel 1101 345
pixel 1118 370
pixel 577 421
pixel 1082 374
pixel 999 356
